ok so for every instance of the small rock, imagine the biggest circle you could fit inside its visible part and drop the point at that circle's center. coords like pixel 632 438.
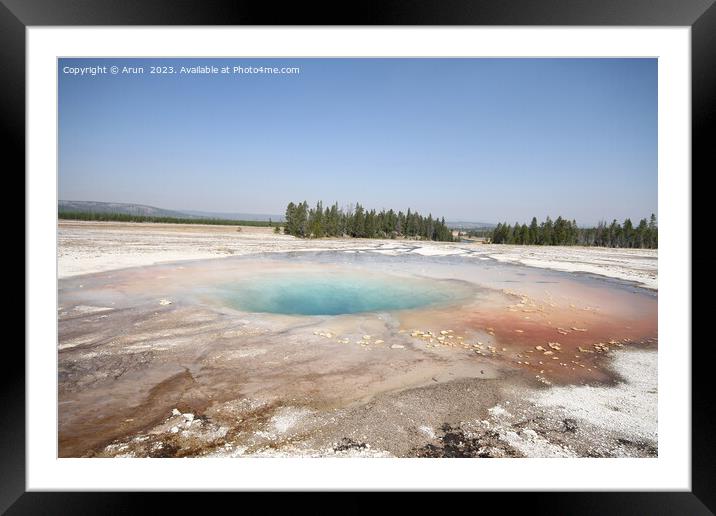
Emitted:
pixel 164 302
pixel 188 416
pixel 175 412
pixel 530 434
pixel 174 429
pixel 397 346
pixel 379 342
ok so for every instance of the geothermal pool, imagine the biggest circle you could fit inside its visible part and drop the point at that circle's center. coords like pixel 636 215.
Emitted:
pixel 323 331
pixel 336 293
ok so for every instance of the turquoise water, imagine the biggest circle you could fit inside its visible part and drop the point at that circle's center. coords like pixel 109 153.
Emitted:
pixel 335 294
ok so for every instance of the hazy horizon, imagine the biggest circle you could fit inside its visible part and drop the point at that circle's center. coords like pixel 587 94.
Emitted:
pixel 478 140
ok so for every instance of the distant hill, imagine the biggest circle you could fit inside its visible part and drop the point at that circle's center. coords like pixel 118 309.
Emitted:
pixel 118 207
pixel 236 216
pixel 470 225
pixel 152 211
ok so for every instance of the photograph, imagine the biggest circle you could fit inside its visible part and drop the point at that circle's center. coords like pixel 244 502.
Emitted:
pixel 357 257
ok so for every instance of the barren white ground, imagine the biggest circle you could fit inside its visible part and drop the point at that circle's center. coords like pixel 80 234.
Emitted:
pixel 87 247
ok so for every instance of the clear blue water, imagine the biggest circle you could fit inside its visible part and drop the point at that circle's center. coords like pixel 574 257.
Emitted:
pixel 335 294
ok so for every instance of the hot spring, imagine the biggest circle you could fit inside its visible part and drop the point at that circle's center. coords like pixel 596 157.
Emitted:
pixel 334 293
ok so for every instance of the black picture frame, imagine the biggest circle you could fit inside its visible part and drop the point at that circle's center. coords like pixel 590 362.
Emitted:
pixel 700 15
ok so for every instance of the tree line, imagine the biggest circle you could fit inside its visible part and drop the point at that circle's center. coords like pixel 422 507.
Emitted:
pixel 565 232
pixel 358 222
pixel 125 217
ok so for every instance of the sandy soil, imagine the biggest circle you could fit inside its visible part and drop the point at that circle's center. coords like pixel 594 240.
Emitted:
pixel 87 247
pixel 146 370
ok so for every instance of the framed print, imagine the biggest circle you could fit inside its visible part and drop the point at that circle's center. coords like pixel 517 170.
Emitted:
pixel 417 249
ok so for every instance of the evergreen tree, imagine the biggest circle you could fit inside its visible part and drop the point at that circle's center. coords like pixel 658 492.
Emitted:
pixel 566 232
pixel 547 231
pixel 641 234
pixel 370 226
pixel 315 221
pixel 615 232
pixel 359 222
pixel 533 231
pixel 302 219
pixel 291 228
pixel 524 234
pixel 559 234
pixel 627 233
pixel 319 222
pixel 400 224
pixel 653 233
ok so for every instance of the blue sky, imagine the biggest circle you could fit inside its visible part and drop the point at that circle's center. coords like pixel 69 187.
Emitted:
pixel 469 139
